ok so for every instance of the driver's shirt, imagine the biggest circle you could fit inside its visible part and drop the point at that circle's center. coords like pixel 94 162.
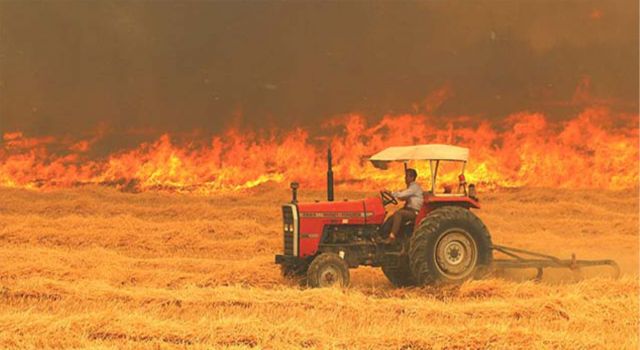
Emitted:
pixel 412 195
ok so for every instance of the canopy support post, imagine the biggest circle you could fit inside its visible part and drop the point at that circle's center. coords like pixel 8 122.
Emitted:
pixel 434 172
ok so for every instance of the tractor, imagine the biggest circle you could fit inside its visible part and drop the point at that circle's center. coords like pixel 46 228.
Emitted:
pixel 447 243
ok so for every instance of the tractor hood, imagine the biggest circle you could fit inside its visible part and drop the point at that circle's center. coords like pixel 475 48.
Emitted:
pixel 366 211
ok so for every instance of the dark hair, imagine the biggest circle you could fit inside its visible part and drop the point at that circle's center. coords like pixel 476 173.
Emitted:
pixel 412 172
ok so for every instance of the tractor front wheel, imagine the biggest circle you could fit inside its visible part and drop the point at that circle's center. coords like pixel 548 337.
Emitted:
pixel 451 245
pixel 328 270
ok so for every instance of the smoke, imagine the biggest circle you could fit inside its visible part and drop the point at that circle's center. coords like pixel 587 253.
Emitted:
pixel 141 68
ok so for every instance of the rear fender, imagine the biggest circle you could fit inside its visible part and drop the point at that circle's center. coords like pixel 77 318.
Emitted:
pixel 432 202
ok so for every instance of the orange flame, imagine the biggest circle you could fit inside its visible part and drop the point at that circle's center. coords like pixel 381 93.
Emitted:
pixel 596 149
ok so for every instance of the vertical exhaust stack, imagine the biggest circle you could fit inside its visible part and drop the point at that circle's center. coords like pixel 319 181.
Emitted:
pixel 329 176
pixel 294 192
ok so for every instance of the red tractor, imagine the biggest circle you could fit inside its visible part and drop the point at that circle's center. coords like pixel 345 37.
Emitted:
pixel 447 242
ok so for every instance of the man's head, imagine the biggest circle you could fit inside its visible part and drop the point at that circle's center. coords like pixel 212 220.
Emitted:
pixel 410 175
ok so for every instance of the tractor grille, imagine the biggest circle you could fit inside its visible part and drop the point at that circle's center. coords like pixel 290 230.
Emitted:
pixel 289 229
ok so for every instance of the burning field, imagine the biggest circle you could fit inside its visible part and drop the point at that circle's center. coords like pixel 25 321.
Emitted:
pixel 171 244
pixel 146 149
pixel 95 267
pixel 596 148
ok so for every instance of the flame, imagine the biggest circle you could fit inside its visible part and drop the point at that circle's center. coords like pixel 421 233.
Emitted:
pixel 596 149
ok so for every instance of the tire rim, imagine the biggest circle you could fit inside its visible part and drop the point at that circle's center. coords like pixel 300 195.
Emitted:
pixel 456 254
pixel 330 276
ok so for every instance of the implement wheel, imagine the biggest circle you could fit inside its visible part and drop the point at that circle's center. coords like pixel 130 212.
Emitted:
pixel 328 270
pixel 451 245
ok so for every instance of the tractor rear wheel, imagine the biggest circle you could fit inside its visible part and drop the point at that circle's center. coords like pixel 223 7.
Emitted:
pixel 328 270
pixel 450 245
pixel 400 274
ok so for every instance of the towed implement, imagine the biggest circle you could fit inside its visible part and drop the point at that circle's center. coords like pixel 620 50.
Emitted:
pixel 524 259
pixel 446 243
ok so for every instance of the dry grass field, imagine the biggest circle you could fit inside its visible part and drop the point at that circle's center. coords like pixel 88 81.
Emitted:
pixel 96 268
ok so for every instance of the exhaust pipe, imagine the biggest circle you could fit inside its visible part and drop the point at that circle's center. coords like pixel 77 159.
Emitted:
pixel 294 192
pixel 329 176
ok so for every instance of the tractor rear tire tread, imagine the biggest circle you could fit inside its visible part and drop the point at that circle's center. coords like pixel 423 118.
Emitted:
pixel 424 240
pixel 399 276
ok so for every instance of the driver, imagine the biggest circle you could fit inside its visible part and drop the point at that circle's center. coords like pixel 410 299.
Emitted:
pixel 413 198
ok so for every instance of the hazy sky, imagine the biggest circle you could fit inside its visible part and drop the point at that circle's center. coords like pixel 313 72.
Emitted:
pixel 66 67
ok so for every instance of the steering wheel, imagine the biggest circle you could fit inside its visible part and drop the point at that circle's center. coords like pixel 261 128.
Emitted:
pixel 388 198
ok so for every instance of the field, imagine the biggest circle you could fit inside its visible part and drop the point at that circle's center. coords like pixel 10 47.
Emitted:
pixel 96 268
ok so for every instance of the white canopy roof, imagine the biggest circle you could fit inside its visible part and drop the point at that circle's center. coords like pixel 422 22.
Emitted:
pixel 420 152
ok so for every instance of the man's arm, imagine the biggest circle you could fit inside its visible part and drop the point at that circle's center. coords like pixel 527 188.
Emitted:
pixel 412 190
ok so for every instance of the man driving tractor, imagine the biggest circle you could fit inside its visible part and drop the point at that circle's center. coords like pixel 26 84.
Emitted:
pixel 413 198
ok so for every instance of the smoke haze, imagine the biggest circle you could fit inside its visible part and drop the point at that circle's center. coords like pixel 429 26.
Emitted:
pixel 74 67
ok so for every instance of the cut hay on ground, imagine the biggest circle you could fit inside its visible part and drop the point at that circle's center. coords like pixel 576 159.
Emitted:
pixel 95 268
